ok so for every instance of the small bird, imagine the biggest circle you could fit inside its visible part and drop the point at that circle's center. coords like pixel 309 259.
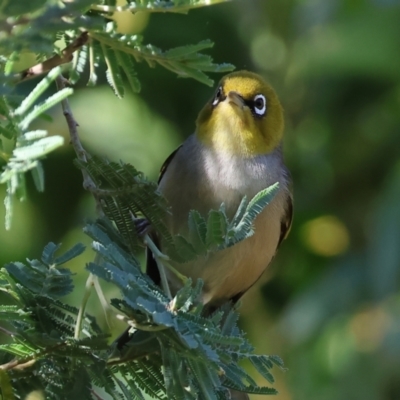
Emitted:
pixel 236 151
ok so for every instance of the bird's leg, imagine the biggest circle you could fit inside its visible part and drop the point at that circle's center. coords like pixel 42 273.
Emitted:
pixel 159 258
pixel 142 225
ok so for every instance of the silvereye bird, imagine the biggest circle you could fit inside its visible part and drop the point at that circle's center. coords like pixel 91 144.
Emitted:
pixel 236 151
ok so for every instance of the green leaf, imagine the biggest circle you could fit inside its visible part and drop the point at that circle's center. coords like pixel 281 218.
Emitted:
pixel 182 51
pixel 6 132
pixel 13 313
pixel 262 365
pixel 38 148
pixel 240 211
pixel 243 228
pixel 197 231
pixel 126 63
pixel 48 255
pixel 95 55
pixel 206 377
pixel 216 228
pixel 19 350
pixel 126 193
pixel 184 61
pixel 113 73
pixel 49 252
pixel 261 199
pixel 41 108
pixel 38 176
pixel 78 64
pixel 277 361
pixel 133 391
pixel 73 252
pixel 42 279
pixel 183 249
pixel 39 89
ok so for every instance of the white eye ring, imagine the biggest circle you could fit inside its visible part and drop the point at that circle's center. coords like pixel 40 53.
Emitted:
pixel 260 109
pixel 217 96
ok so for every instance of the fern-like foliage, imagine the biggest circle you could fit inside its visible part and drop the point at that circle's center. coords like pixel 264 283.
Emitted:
pixel 30 146
pixel 125 193
pixel 41 25
pixel 121 51
pixel 44 354
pixel 191 356
pixel 76 34
pixel 175 352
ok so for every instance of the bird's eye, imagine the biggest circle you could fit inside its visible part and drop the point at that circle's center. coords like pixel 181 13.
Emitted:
pixel 218 96
pixel 259 105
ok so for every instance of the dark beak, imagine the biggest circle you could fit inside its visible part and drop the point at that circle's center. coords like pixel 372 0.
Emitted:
pixel 235 98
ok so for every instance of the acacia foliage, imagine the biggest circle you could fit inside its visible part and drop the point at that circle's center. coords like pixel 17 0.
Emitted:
pixel 176 352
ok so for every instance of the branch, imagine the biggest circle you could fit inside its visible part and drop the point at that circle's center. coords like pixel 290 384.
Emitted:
pixel 27 362
pixel 143 327
pixel 58 59
pixel 87 182
pixel 72 126
pixel 94 394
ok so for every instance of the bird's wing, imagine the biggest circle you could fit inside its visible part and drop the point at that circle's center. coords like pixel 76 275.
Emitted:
pixel 151 265
pixel 166 163
pixel 286 222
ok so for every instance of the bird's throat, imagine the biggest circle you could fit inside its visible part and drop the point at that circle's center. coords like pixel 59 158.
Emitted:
pixel 232 135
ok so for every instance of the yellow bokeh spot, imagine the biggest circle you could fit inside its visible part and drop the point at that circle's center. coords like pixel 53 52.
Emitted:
pixel 129 22
pixel 326 236
pixel 35 395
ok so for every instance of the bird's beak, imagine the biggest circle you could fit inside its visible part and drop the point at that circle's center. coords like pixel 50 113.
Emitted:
pixel 236 98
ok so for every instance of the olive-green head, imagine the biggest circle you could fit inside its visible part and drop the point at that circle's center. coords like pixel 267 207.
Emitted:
pixel 244 116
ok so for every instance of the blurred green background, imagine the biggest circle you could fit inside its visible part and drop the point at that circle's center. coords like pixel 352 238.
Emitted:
pixel 330 303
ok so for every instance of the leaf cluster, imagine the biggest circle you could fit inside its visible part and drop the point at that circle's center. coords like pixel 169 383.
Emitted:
pixel 47 28
pixel 45 355
pixel 174 351
pixel 77 35
pixel 29 146
pixel 198 356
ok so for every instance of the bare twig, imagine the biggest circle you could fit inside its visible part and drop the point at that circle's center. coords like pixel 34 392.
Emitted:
pixel 72 125
pixel 143 327
pixel 124 360
pixel 95 395
pixel 58 59
pixel 27 362
pixel 161 269
pixel 6 331
pixel 87 183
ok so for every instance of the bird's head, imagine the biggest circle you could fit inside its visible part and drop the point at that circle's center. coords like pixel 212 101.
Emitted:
pixel 244 117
